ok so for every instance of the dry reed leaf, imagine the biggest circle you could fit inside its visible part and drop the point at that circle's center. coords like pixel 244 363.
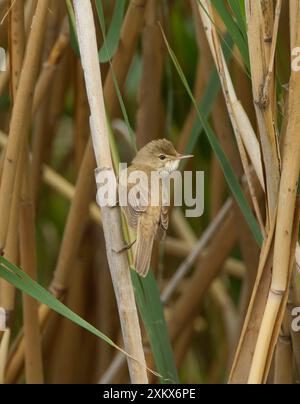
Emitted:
pixel 260 21
pixel 240 121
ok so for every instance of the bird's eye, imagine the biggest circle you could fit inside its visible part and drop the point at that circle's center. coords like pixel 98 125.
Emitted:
pixel 162 157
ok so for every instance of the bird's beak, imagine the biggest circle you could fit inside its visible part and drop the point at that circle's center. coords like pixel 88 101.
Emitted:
pixel 184 156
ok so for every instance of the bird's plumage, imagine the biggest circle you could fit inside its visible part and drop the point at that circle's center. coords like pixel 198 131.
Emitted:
pixel 150 221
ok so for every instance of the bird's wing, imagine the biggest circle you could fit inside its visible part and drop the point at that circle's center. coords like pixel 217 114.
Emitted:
pixel 138 198
pixel 148 226
pixel 164 217
pixel 163 224
pixel 143 251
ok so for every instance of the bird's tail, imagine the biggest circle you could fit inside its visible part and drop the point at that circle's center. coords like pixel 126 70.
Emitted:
pixel 143 252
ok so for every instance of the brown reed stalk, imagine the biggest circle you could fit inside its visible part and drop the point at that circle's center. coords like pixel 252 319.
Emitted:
pixel 207 269
pixel 4 78
pixel 107 315
pixel 50 66
pixel 19 122
pixel 294 301
pixel 182 344
pixel 7 295
pixel 149 115
pixel 67 352
pixel 84 187
pixel 16 42
pixel 244 133
pixel 242 129
pixel 243 356
pixel 17 48
pixel 283 357
pixel 14 369
pixel 218 187
pixel 110 217
pixel 33 355
pixel 75 225
pixel 47 123
pixel 203 72
pixel 260 20
pixel 81 129
pixel 259 296
pixel 283 251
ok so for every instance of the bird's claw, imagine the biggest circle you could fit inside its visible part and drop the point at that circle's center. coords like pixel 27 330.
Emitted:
pixel 125 248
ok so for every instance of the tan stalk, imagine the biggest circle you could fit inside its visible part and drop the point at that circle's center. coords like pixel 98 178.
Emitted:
pixel 295 335
pixel 85 189
pixel 203 73
pixel 50 66
pixel 118 263
pixel 47 121
pixel 17 49
pixel 242 128
pixel 65 362
pixel 77 220
pixel 16 42
pixel 4 77
pixel 181 227
pixel 283 358
pixel 149 116
pixel 33 354
pixel 4 345
pixel 284 303
pixel 284 225
pixel 197 249
pixel 81 130
pixel 270 74
pixel 229 312
pixel 7 297
pixel 19 122
pixel 241 124
pixel 29 10
pixel 260 32
pixel 208 266
pixel 16 358
pixel 240 367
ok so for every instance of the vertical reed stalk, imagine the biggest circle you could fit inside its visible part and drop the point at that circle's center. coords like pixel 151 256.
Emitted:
pixel 283 253
pixel 19 122
pixel 84 191
pixel 260 33
pixel 33 355
pixel 17 49
pixel 149 115
pixel 111 217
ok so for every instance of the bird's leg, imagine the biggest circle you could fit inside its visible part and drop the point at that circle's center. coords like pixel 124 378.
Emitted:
pixel 125 248
pixel 117 204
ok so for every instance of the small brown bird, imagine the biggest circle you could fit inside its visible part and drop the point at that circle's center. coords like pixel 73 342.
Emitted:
pixel 149 221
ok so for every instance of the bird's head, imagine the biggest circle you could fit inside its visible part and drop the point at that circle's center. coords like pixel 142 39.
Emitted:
pixel 160 155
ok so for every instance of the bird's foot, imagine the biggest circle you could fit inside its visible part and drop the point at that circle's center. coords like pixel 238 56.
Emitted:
pixel 115 205
pixel 125 248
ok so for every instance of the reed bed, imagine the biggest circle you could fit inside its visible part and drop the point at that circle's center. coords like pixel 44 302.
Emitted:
pixel 85 85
